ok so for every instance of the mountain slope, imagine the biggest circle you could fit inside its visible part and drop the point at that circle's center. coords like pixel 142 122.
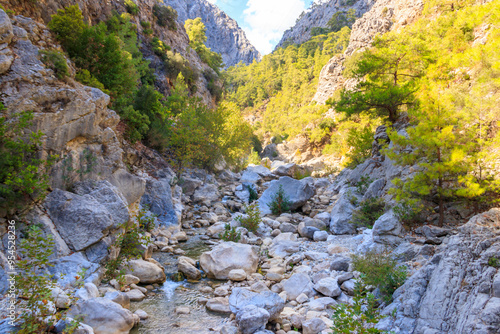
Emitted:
pixel 223 33
pixel 318 15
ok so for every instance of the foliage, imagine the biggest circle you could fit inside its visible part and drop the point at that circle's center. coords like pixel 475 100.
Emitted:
pixel 132 7
pixel 253 158
pixel 279 202
pixel 342 19
pixel 252 220
pixel 84 77
pixel 408 211
pixel 196 31
pixel 363 184
pixel 281 86
pixel 34 283
pixel 56 61
pixel 494 262
pixel 146 221
pixel 380 270
pixel 230 234
pixel 368 212
pixel 67 25
pixel 166 16
pixel 23 175
pixel 253 196
pixel 360 141
pixel 298 174
pixel 359 317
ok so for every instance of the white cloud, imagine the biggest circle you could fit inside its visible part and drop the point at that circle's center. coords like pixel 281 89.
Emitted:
pixel 212 1
pixel 268 19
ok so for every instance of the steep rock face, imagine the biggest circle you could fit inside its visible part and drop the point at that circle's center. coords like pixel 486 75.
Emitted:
pixel 384 15
pixel 223 33
pixel 457 291
pixel 96 11
pixel 318 15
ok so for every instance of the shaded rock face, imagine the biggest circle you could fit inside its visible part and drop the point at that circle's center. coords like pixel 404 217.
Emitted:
pixel 318 15
pixel 158 197
pixel 223 33
pixel 455 291
pixel 270 301
pixel 380 17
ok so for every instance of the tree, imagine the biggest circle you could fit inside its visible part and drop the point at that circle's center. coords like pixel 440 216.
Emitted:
pixel 387 76
pixel 342 19
pixel 196 31
pixel 67 25
pixel 437 147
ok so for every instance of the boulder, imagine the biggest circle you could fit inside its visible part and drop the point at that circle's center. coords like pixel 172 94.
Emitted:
pixel 237 275
pixel 104 316
pixel 61 299
pixel 374 189
pixel 135 295
pixel 282 248
pixel 80 220
pixel 250 177
pixel 187 266
pixel 6 31
pixel 118 297
pixel 158 197
pixel 219 305
pixel 228 256
pixel 251 319
pixel 108 196
pixel 297 191
pixel 207 194
pixel 286 170
pixel 297 284
pixel 189 185
pixel 340 264
pixel 388 230
pixel 88 291
pixel 328 287
pixel 320 236
pixel 63 325
pixel 270 301
pixel 313 326
pixel 342 213
pixel 147 272
pixel 322 303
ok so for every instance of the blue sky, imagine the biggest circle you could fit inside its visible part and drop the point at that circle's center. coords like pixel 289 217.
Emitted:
pixel 263 21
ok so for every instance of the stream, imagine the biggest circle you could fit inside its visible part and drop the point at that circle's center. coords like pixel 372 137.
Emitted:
pixel 172 294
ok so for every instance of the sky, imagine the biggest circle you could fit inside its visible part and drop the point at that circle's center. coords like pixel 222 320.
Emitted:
pixel 264 21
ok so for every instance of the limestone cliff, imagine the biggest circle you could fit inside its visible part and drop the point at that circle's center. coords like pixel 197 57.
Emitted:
pixel 223 33
pixel 318 15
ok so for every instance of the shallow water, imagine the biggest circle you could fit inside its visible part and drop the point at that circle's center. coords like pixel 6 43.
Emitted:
pixel 161 307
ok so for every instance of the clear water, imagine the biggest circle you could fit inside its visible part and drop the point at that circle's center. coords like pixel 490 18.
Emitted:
pixel 161 307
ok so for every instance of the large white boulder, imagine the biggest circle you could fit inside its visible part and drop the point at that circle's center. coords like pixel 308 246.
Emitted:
pixel 298 193
pixel 147 272
pixel 228 256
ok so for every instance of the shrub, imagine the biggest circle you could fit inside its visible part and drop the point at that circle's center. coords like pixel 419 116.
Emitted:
pixel 23 176
pixel 368 212
pixel 299 174
pixel 230 234
pixel 279 202
pixel 35 283
pixel 67 25
pixel 252 220
pixel 166 16
pixel 56 61
pixel 494 262
pixel 363 184
pixel 408 211
pixel 360 141
pixel 359 317
pixel 132 7
pixel 84 77
pixel 253 194
pixel 253 158
pixel 380 270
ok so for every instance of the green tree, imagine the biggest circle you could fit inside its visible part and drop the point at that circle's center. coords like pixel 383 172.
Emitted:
pixel 438 148
pixel 342 19
pixel 23 175
pixel 387 76
pixel 196 31
pixel 67 25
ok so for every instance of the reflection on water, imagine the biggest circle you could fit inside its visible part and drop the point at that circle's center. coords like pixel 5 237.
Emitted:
pixel 161 307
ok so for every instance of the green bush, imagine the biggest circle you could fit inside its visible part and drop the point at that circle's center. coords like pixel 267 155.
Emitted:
pixel 132 7
pixel 408 211
pixel 56 61
pixel 253 194
pixel 380 270
pixel 494 262
pixel 84 77
pixel 363 184
pixel 279 202
pixel 299 174
pixel 252 221
pixel 166 16
pixel 360 141
pixel 359 317
pixel 23 176
pixel 34 283
pixel 230 234
pixel 67 25
pixel 368 212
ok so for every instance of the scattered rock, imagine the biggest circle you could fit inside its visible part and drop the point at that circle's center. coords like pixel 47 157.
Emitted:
pixel 147 272
pixel 229 256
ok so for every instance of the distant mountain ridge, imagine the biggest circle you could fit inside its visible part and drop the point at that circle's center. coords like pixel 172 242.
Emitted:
pixel 223 33
pixel 318 15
